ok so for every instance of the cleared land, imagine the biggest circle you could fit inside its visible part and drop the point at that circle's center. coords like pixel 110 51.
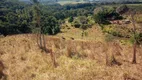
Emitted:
pixel 23 60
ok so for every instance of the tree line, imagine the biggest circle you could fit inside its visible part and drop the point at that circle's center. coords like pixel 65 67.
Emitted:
pixel 17 17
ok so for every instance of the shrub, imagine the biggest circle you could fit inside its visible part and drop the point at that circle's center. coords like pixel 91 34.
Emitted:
pixel 100 18
pixel 76 24
pixel 81 22
pixel 70 19
pixel 113 31
pixel 138 37
pixel 103 15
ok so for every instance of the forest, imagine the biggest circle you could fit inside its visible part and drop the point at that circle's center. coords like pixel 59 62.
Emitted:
pixel 17 17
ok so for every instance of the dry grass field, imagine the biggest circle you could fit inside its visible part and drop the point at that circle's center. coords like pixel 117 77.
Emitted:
pixel 77 60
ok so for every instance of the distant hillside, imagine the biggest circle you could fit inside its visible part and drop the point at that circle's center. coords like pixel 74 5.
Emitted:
pixel 96 1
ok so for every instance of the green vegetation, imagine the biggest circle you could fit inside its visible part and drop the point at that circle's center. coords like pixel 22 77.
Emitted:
pixel 104 15
pixel 82 22
pixel 14 18
pixel 51 26
pixel 17 17
pixel 70 19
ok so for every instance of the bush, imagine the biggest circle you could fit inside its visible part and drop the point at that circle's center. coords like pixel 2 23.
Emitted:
pixel 70 19
pixel 113 31
pixel 76 24
pixel 82 22
pixel 100 18
pixel 103 15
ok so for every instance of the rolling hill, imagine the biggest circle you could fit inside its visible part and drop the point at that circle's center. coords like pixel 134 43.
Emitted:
pixel 22 60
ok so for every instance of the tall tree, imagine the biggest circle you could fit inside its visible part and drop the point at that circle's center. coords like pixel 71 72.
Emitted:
pixel 40 36
pixel 136 36
pixel 37 18
pixel 135 39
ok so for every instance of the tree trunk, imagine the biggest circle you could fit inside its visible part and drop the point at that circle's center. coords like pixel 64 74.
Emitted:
pixel 53 58
pixel 37 36
pixel 82 35
pixel 44 42
pixel 52 53
pixel 134 54
pixel 40 40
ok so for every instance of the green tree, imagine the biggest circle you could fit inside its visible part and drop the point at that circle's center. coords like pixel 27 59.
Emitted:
pixel 136 37
pixel 135 40
pixel 37 18
pixel 50 26
pixel 100 18
pixel 70 19
pixel 12 18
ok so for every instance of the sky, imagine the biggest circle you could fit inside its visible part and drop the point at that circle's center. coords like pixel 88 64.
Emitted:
pixel 90 0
